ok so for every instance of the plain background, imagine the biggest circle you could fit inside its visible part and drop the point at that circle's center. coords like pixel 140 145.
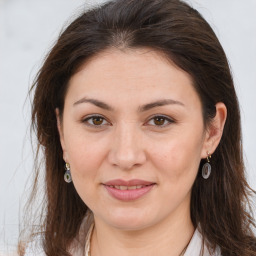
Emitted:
pixel 28 28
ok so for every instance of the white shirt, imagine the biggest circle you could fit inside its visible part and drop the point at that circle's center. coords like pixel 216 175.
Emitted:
pixel 194 248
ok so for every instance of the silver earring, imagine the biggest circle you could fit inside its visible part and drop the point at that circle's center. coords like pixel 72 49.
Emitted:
pixel 207 168
pixel 67 175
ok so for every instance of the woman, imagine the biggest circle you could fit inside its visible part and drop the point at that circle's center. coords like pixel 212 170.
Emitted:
pixel 136 113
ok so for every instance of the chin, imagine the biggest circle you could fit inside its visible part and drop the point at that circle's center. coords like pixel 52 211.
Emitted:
pixel 130 226
pixel 130 221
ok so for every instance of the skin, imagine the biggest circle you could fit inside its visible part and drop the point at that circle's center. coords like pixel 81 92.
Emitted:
pixel 128 144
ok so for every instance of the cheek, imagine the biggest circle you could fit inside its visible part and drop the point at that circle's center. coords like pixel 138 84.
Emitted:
pixel 85 159
pixel 178 157
pixel 177 164
pixel 85 153
pixel 86 156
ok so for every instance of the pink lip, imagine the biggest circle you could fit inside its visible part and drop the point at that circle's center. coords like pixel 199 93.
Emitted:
pixel 134 182
pixel 128 195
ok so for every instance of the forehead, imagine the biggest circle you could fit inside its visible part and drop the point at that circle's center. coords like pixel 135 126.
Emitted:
pixel 129 63
pixel 131 74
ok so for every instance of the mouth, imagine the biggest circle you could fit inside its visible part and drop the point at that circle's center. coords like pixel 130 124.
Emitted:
pixel 128 190
pixel 129 187
pixel 128 183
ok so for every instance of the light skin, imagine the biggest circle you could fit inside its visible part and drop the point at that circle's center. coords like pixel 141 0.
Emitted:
pixel 130 142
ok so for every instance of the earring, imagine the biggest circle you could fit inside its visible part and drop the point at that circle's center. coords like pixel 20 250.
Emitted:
pixel 67 175
pixel 206 170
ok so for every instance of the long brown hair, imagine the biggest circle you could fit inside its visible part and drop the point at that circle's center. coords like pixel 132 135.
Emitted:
pixel 220 206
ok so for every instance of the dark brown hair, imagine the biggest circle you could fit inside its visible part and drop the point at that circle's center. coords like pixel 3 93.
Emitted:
pixel 171 27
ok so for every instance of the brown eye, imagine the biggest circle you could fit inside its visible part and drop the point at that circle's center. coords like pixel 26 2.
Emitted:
pixel 95 121
pixel 160 121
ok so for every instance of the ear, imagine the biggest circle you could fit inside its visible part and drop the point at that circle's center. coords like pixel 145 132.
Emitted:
pixel 60 130
pixel 214 130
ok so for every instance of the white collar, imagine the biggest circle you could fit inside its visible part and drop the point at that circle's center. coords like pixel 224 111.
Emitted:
pixel 88 240
pixel 196 246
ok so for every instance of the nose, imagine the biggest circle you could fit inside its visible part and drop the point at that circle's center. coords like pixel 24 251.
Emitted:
pixel 126 149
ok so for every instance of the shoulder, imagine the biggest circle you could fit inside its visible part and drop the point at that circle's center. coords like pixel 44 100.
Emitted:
pixel 77 246
pixel 196 247
pixel 34 248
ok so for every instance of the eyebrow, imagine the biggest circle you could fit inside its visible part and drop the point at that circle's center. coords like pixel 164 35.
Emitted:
pixel 142 108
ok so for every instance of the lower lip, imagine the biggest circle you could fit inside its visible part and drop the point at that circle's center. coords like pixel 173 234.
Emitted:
pixel 128 195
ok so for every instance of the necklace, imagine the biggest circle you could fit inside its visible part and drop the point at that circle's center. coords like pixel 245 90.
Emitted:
pixel 89 237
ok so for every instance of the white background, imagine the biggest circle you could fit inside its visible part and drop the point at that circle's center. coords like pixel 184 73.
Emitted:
pixel 28 28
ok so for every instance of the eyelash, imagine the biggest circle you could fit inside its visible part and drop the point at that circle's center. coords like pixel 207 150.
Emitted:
pixel 169 120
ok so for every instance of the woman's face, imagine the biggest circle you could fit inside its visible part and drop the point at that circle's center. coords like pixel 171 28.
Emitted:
pixel 134 120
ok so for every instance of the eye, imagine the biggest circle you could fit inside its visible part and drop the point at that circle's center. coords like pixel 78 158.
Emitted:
pixel 160 121
pixel 96 121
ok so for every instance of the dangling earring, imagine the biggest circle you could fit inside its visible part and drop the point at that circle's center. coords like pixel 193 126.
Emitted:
pixel 206 170
pixel 67 175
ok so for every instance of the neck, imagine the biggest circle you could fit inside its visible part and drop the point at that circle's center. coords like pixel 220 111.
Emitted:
pixel 168 237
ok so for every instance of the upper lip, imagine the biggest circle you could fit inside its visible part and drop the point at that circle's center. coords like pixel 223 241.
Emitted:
pixel 134 182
